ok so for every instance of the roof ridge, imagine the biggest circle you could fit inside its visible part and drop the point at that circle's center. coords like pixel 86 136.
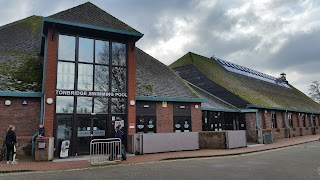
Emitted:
pixel 72 8
pixel 97 8
pixel 19 21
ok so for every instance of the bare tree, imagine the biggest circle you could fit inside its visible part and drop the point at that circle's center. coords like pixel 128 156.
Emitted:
pixel 315 91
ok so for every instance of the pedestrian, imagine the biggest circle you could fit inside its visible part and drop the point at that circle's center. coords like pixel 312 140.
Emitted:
pixel 11 143
pixel 41 131
pixel 118 132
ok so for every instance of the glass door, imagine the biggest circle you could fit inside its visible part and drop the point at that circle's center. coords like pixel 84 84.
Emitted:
pixel 88 128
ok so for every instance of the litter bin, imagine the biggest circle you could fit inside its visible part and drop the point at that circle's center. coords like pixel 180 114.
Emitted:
pixel 64 152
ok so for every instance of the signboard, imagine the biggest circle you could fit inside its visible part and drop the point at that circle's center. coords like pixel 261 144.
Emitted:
pixel 131 125
pixel 84 133
pixel 89 93
pixel 99 133
pixel 164 104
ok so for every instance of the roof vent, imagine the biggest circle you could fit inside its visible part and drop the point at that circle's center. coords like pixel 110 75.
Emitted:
pixel 283 77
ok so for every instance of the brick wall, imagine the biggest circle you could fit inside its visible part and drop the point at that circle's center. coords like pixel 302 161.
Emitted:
pixel 280 120
pixel 131 87
pixel 51 73
pixel 196 117
pixel 26 118
pixel 267 118
pixel 252 135
pixel 295 120
pixel 164 118
pixel 278 133
pixel 212 140
pixel 308 120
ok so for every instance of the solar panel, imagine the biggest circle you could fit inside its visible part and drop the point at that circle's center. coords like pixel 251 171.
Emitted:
pixel 231 67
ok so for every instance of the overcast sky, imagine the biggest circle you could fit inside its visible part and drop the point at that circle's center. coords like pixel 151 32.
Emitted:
pixel 270 36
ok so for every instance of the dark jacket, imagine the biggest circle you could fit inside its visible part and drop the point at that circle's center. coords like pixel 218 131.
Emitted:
pixel 119 133
pixel 11 137
pixel 41 131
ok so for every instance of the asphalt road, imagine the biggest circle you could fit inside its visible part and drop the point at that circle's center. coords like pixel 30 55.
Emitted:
pixel 296 162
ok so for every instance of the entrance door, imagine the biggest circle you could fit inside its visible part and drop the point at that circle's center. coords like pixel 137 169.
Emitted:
pixel 88 128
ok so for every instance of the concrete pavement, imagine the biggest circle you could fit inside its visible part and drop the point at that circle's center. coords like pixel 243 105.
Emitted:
pixel 27 164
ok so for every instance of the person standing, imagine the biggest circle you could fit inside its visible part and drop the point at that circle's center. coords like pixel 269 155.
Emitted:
pixel 11 141
pixel 41 131
pixel 119 134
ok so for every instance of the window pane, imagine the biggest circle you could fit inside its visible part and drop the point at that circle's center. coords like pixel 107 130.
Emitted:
pixel 102 52
pixel 66 47
pixel 65 76
pixel 85 77
pixel 86 50
pixel 118 105
pixel 84 105
pixel 101 105
pixel 118 54
pixel 101 78
pixel 64 104
pixel 118 79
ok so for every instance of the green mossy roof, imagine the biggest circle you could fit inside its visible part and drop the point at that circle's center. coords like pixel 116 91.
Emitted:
pixel 154 79
pixel 20 66
pixel 252 90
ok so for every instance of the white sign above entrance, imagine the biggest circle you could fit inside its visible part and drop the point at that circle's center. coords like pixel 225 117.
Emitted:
pixel 89 93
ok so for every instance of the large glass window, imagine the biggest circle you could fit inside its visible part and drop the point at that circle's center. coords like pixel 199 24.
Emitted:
pixel 64 104
pixel 290 120
pixel 303 121
pixel 313 117
pixel 118 79
pixel 102 52
pixel 118 54
pixel 118 105
pixel 101 78
pixel 67 48
pixel 99 66
pixel 101 105
pixel 85 77
pixel 274 120
pixel 65 76
pixel 84 105
pixel 86 50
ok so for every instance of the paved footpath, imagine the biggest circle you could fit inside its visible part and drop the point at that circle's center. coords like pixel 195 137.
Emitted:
pixel 29 165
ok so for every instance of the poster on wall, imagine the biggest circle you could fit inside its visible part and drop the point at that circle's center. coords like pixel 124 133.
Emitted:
pixel 116 123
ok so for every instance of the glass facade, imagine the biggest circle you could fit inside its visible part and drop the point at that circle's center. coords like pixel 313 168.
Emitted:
pixel 91 89
pixel 93 72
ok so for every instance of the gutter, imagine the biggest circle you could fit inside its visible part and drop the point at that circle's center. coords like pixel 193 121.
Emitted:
pixel 43 80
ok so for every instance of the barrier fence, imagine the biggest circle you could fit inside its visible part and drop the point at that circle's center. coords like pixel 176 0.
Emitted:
pixel 105 150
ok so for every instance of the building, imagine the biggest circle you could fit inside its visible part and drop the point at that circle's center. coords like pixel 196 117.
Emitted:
pixel 79 73
pixel 261 103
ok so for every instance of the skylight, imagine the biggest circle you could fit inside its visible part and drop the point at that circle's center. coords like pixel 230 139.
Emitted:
pixel 231 67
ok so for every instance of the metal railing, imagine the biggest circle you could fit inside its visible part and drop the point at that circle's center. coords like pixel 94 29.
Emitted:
pixel 105 150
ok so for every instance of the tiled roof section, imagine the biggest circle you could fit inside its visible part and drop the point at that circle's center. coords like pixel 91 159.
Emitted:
pixel 90 14
pixel 210 100
pixel 22 36
pixel 20 68
pixel 155 79
pixel 254 91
